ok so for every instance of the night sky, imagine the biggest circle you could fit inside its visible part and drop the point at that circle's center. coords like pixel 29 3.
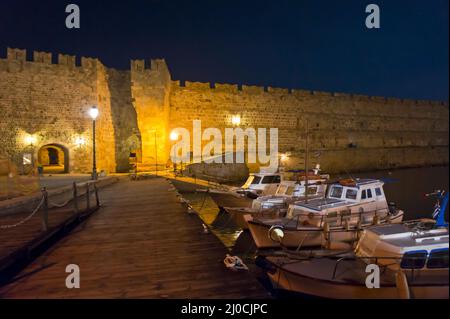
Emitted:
pixel 316 44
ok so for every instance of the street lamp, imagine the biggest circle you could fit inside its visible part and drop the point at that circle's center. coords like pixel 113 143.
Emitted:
pixel 93 113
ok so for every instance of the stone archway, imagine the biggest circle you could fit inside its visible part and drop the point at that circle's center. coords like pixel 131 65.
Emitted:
pixel 54 159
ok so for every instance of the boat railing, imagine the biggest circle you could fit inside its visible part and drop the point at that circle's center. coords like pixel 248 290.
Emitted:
pixel 342 218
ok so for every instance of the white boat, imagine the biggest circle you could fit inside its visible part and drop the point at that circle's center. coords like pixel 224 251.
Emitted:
pixel 257 184
pixel 411 258
pixel 349 207
pixel 274 206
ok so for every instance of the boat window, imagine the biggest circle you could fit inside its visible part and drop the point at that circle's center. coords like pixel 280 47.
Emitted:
pixel 351 193
pixel 256 180
pixel 336 192
pixel 369 193
pixel 378 191
pixel 282 189
pixel 312 190
pixel 438 258
pixel 414 259
pixel 364 194
pixel 274 179
pixel 290 190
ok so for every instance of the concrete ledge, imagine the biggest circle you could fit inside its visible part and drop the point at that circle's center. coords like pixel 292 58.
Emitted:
pixel 25 204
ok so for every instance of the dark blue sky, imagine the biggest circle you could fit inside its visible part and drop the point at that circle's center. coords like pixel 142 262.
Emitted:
pixel 315 44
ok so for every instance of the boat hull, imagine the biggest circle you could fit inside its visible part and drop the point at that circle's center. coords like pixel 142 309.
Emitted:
pixel 237 214
pixel 304 283
pixel 302 236
pixel 229 199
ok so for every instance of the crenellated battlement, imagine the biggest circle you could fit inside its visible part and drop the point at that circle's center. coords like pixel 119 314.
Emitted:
pixel 18 59
pixel 16 54
pixel 49 94
pixel 140 65
pixel 252 89
pixel 40 58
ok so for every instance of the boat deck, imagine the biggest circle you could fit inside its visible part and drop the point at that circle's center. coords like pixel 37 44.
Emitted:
pixel 141 244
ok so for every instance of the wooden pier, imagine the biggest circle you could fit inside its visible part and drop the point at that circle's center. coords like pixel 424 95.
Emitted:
pixel 142 243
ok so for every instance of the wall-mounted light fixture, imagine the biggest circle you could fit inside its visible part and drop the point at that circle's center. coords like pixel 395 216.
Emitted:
pixel 174 136
pixel 80 141
pixel 284 157
pixel 236 120
pixel 30 140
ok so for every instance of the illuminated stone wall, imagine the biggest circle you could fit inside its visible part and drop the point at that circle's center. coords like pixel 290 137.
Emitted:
pixel 47 97
pixel 49 101
pixel 150 90
pixel 347 132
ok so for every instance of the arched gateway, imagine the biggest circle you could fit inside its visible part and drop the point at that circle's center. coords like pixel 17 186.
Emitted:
pixel 54 159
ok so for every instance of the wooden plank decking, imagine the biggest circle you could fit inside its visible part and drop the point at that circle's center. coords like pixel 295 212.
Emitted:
pixel 141 244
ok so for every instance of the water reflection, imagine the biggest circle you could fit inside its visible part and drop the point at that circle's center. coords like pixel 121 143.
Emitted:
pixel 405 187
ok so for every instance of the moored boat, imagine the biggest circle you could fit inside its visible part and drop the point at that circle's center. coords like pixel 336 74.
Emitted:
pixel 349 207
pixel 274 206
pixel 407 260
pixel 257 184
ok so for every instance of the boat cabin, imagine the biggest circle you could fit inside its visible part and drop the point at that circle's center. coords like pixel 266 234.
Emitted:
pixel 262 183
pixel 407 246
pixel 347 201
pixel 289 191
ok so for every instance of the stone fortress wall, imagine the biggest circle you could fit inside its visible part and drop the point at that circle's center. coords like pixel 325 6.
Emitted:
pixel 48 97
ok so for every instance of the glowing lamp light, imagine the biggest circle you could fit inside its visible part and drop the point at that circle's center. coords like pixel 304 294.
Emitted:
pixel 236 120
pixel 30 140
pixel 80 141
pixel 174 136
pixel 93 112
pixel 285 156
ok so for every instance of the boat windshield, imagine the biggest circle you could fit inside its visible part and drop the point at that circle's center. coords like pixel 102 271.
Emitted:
pixel 312 190
pixel 336 192
pixel 282 190
pixel 290 190
pixel 351 193
pixel 271 179
pixel 256 180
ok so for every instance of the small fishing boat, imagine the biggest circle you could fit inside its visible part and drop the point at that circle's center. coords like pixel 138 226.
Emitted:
pixel 349 207
pixel 407 260
pixel 274 206
pixel 257 184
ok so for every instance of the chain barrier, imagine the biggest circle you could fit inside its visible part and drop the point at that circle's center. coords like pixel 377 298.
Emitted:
pixel 53 205
pixel 4 227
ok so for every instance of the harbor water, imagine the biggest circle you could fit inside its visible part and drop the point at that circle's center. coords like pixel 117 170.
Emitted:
pixel 405 187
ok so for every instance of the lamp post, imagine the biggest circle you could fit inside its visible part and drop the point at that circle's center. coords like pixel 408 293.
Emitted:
pixel 93 113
